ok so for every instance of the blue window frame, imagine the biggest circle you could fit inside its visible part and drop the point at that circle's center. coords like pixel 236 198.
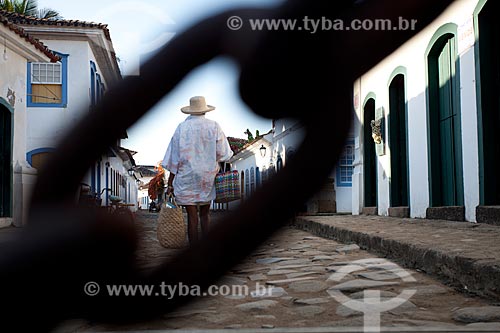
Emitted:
pixel 30 154
pixel 344 166
pixel 64 85
pixel 98 87
pixel 252 180
pixel 93 72
pixel 247 183
pixel 257 177
pixel 103 89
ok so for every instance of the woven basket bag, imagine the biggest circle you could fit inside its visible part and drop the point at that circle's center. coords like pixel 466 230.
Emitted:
pixel 171 229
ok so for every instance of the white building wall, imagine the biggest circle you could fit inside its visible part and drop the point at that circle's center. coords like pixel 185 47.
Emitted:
pixel 469 134
pixel 46 126
pixel 288 136
pixel 357 166
pixel 244 165
pixel 343 197
pixel 252 159
pixel 143 199
pixel 13 77
pixel 132 193
pixel 13 83
pixel 376 81
pixel 143 195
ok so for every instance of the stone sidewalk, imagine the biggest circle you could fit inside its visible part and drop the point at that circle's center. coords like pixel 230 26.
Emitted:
pixel 465 256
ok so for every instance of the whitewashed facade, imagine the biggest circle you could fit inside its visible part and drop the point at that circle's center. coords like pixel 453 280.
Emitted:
pixel 254 166
pixel 434 96
pixel 59 95
pixel 18 177
pixel 145 174
pixel 288 136
pixel 281 144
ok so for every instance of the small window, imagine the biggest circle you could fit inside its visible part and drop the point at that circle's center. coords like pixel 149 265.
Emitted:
pixel 92 85
pixel 242 180
pixel 279 163
pixel 258 179
pixel 98 87
pixel 247 184
pixel 47 84
pixel 252 180
pixel 344 167
pixel 44 73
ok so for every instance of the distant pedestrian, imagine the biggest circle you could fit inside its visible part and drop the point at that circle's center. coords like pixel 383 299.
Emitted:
pixel 193 157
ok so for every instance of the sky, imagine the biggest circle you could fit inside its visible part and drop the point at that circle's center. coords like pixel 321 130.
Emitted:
pixel 147 25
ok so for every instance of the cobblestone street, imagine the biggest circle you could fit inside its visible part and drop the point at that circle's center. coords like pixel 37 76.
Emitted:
pixel 300 270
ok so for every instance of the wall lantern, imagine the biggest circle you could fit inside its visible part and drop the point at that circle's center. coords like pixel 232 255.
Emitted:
pixel 263 151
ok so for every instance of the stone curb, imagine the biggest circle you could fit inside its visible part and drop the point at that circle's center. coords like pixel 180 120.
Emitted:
pixel 465 274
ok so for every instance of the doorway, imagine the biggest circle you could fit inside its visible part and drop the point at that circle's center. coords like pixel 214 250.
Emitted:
pixel 370 160
pixel 5 161
pixel 489 110
pixel 398 143
pixel 445 144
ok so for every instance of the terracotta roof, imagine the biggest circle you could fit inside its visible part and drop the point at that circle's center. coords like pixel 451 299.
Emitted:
pixel 35 21
pixel 31 20
pixel 6 21
pixel 236 144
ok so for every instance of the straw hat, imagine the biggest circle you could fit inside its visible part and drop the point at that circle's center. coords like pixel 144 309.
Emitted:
pixel 197 105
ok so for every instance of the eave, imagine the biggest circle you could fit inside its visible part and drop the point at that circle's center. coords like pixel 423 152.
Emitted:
pixel 21 46
pixel 100 45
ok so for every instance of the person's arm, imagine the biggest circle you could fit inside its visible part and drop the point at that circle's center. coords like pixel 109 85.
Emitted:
pixel 170 187
pixel 223 149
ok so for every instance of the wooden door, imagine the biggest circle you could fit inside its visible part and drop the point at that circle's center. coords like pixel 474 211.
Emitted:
pixel 398 143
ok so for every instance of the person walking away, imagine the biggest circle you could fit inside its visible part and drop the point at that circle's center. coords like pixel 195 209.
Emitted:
pixel 192 158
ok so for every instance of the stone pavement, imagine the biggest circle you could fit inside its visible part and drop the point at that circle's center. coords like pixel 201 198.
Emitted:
pixel 463 255
pixel 305 277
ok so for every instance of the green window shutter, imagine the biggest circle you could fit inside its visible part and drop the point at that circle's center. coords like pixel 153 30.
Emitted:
pixel 445 148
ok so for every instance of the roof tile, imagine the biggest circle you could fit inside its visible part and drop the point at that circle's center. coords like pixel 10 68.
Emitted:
pixel 6 21
pixel 31 20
